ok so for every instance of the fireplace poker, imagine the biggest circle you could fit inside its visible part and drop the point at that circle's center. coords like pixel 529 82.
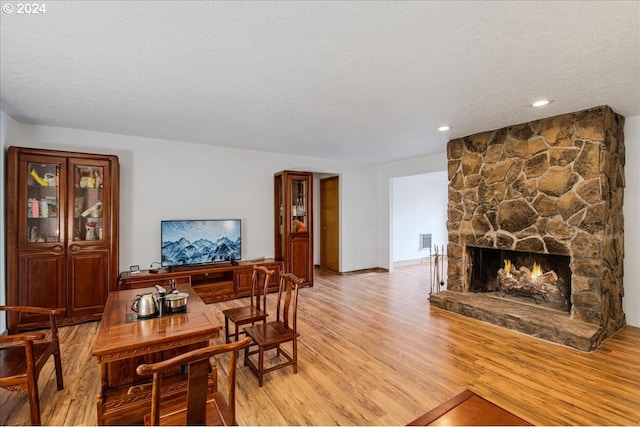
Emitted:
pixel 437 268
pixel 442 272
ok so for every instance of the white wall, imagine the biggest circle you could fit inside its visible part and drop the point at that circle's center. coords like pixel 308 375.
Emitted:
pixel 418 206
pixel 631 210
pixel 167 180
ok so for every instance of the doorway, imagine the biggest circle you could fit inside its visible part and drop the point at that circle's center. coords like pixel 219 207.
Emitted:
pixel 418 209
pixel 330 223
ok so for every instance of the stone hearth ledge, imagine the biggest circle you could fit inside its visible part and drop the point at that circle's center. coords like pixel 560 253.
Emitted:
pixel 539 322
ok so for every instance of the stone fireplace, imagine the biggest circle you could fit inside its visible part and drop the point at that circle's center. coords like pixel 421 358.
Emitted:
pixel 550 190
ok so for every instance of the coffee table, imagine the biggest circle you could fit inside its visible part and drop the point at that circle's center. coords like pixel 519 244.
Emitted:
pixel 123 342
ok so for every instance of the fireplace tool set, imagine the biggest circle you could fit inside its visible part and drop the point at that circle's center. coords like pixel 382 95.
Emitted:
pixel 437 260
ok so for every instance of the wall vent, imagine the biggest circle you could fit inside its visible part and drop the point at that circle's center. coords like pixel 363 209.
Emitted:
pixel 425 241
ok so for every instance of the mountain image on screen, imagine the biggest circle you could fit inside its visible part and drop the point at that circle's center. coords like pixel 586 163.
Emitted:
pixel 194 243
pixel 201 251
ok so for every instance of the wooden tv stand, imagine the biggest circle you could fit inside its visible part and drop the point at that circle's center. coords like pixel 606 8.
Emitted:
pixel 212 283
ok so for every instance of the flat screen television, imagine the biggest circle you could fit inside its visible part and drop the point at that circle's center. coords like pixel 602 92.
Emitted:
pixel 192 242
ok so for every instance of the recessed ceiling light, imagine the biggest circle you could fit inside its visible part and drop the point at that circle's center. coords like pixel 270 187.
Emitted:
pixel 444 128
pixel 540 103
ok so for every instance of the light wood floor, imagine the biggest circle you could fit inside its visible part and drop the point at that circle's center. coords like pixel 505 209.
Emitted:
pixel 372 352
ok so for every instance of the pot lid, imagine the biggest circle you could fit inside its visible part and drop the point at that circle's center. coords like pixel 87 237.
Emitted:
pixel 178 295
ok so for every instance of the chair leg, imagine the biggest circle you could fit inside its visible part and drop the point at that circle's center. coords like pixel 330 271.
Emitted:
pixel 58 362
pixel 260 366
pixel 34 401
pixel 32 383
pixel 295 355
pixel 226 330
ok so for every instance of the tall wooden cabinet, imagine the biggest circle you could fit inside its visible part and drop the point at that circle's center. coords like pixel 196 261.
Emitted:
pixel 62 233
pixel 293 193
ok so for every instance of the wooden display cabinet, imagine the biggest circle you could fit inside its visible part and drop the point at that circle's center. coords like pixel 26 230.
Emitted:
pixel 212 283
pixel 293 205
pixel 62 233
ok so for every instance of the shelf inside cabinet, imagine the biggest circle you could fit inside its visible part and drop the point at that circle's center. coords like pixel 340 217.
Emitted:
pixel 212 277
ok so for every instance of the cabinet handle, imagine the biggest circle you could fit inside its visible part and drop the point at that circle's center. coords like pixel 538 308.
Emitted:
pixel 58 249
pixel 75 248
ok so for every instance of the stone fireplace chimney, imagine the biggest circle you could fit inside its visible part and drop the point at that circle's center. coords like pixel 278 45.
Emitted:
pixel 552 186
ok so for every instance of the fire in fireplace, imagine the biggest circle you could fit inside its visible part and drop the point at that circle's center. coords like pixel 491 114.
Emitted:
pixel 543 279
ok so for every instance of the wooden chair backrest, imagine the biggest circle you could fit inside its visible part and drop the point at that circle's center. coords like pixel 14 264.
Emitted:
pixel 199 368
pixel 22 368
pixel 259 286
pixel 287 310
pixel 52 312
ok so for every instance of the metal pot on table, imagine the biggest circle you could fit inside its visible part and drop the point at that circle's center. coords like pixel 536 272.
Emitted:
pixel 176 301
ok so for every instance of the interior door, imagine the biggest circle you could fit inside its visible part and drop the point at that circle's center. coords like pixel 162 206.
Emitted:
pixel 330 223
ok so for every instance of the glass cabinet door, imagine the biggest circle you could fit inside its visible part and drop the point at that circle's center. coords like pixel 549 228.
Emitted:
pixel 299 208
pixel 87 202
pixel 43 202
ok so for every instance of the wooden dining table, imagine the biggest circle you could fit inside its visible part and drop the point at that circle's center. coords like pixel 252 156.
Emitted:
pixel 124 341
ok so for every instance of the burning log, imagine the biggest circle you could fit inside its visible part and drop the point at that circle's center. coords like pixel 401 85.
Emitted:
pixel 530 283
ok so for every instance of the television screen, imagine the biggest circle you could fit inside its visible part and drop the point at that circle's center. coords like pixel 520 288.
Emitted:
pixel 188 242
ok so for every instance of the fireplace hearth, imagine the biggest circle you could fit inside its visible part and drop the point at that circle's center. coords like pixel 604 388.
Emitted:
pixel 545 194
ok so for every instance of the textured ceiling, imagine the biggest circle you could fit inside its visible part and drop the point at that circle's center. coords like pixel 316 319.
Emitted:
pixel 359 81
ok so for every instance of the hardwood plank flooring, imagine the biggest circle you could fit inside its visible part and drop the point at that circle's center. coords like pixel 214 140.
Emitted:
pixel 372 352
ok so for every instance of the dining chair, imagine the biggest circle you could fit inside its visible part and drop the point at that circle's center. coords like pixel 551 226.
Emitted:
pixel 256 311
pixel 201 407
pixel 22 357
pixel 273 334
